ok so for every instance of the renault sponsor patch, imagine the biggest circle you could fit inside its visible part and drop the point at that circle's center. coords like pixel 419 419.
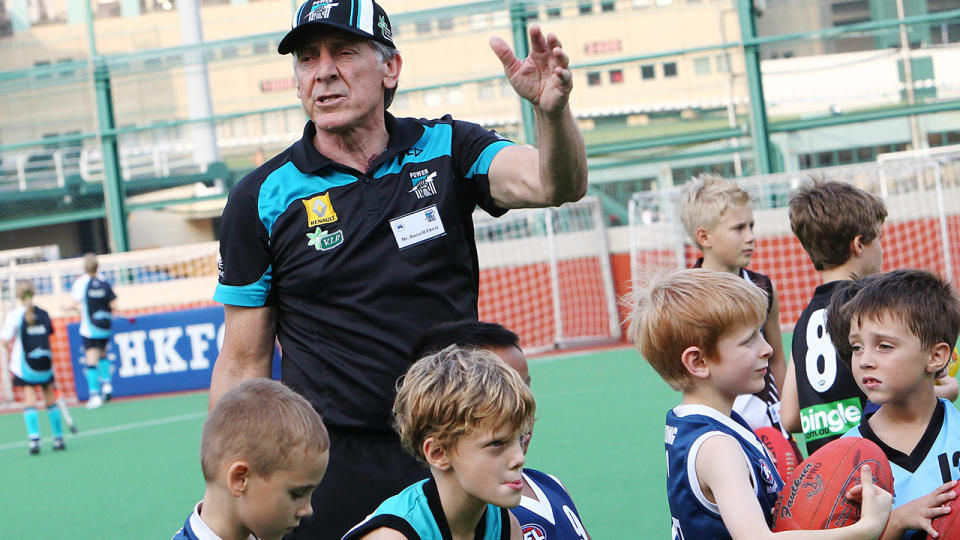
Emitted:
pixel 319 210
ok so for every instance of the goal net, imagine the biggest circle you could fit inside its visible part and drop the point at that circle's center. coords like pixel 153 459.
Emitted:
pixel 922 195
pixel 545 274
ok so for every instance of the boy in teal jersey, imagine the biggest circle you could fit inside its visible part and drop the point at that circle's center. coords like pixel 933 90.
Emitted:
pixel 897 331
pixel 462 412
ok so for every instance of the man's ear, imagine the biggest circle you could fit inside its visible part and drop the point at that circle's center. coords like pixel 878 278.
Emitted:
pixel 695 362
pixel 238 475
pixel 939 358
pixel 391 71
pixel 435 454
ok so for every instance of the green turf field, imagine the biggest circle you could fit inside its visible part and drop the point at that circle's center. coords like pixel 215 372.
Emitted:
pixel 133 471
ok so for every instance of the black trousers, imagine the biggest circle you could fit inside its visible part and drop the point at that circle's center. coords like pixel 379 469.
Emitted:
pixel 365 469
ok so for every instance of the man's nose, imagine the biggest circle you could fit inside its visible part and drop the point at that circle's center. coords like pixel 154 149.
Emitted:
pixel 325 68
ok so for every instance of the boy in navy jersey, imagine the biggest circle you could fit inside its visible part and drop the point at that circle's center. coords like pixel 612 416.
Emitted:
pixel 897 332
pixel 717 216
pixel 701 331
pixel 464 413
pixel 546 510
pixel 27 331
pixel 96 301
pixel 264 450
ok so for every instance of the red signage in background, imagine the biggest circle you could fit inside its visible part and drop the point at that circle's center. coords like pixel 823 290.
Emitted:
pixel 278 85
pixel 602 47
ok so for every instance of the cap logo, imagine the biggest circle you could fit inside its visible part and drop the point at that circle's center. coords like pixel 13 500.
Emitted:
pixel 320 10
pixel 385 28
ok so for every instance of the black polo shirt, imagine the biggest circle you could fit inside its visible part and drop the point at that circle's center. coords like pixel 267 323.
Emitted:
pixel 358 264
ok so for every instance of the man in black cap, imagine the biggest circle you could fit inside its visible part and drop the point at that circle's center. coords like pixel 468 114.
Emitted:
pixel 348 244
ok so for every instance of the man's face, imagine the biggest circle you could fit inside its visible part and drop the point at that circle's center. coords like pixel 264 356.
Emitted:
pixel 340 81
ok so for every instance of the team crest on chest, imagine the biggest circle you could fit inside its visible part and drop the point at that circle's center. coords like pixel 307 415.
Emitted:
pixel 423 185
pixel 319 210
pixel 323 240
pixel 765 472
pixel 532 531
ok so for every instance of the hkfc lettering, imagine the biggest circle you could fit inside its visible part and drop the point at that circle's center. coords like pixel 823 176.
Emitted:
pixel 175 349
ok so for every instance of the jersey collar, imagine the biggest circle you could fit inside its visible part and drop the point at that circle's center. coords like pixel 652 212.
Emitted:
pixel 703 410
pixel 200 529
pixel 402 132
pixel 539 506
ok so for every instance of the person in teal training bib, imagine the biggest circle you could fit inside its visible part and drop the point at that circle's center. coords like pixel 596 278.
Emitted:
pixel 464 413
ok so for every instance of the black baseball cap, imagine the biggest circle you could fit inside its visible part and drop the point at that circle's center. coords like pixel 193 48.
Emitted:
pixel 364 18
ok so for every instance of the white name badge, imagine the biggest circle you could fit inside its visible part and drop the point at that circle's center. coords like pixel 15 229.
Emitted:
pixel 417 227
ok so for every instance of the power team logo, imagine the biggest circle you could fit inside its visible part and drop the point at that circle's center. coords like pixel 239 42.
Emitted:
pixel 532 531
pixel 423 183
pixel 321 10
pixel 319 210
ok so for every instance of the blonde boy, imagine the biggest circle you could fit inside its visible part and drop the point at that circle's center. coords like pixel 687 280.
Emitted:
pixel 701 331
pixel 897 332
pixel 263 452
pixel 717 217
pixel 462 412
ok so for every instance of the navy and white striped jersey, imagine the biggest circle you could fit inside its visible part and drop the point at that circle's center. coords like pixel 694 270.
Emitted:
pixel 688 427
pixel 552 515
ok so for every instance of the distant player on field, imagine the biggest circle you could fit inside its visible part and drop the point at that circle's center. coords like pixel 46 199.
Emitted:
pixel 546 510
pixel 717 217
pixel 95 299
pixel 26 332
pixel 264 450
pixel 701 331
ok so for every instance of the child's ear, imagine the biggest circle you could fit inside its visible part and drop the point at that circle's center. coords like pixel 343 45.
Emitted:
pixel 237 476
pixel 695 362
pixel 435 454
pixel 703 237
pixel 939 357
pixel 856 246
